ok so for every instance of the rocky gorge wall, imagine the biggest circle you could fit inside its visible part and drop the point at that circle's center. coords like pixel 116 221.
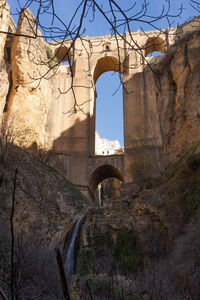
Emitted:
pixel 180 108
pixel 28 103
pixel 167 93
pixel 6 25
pixel 24 103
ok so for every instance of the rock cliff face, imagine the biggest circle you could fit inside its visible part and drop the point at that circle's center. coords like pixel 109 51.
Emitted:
pixel 5 24
pixel 171 86
pixel 30 95
pixel 179 98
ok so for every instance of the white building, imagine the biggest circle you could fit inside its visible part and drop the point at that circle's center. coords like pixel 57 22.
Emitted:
pixel 106 147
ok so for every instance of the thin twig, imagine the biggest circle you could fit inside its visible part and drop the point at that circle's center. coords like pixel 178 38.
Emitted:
pixel 87 284
pixel 12 236
pixel 3 294
pixel 61 271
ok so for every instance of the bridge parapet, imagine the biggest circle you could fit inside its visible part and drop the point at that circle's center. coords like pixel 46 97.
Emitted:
pixel 116 161
pixel 102 167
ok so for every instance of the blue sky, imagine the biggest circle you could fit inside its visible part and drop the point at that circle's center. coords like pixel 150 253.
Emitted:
pixel 109 112
pixel 65 9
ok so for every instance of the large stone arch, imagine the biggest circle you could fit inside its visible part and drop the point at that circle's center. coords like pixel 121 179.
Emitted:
pixel 101 173
pixel 103 64
pixel 154 43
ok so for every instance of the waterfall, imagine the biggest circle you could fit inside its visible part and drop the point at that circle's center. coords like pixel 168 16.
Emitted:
pixel 69 261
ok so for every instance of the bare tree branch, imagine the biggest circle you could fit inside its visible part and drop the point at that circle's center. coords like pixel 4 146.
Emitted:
pixel 61 271
pixel 13 237
pixel 3 294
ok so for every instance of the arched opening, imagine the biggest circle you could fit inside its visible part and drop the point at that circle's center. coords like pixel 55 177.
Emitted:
pixel 107 110
pixel 155 46
pixel 63 55
pixel 101 173
pixel 105 64
pixel 109 134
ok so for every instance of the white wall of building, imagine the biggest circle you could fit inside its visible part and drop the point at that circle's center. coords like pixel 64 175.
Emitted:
pixel 106 147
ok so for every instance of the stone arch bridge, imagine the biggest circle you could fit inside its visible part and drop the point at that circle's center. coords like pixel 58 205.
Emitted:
pixel 102 167
pixel 71 137
pixel 90 58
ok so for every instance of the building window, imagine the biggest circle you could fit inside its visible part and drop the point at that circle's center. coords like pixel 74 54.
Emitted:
pixel 107 152
pixel 102 152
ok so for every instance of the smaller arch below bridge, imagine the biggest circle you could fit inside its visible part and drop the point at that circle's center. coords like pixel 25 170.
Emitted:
pixel 101 173
pixel 154 44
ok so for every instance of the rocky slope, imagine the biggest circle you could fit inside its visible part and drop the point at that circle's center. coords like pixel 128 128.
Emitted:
pixel 46 207
pixel 145 245
pixel 141 245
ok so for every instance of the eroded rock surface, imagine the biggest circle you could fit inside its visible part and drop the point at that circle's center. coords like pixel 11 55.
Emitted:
pixel 179 98
pixel 5 24
pixel 30 97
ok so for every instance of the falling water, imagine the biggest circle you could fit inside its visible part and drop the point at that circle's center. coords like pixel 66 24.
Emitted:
pixel 69 261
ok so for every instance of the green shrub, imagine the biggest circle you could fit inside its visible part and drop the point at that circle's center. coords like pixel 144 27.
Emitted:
pixel 127 253
pixel 5 252
pixel 123 253
pixel 52 58
pixel 192 201
pixel 186 155
pixel 179 163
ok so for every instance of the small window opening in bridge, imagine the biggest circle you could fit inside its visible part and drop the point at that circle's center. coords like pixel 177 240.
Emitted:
pixel 109 137
pixel 106 46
